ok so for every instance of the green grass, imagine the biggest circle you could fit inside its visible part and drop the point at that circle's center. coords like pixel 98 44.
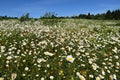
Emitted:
pixel 93 45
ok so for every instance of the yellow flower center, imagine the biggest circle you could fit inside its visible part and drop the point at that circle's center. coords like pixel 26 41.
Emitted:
pixel 69 59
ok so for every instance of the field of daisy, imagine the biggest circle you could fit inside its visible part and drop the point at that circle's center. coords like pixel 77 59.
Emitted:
pixel 68 49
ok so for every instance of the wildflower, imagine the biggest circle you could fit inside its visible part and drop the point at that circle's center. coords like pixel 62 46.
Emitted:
pixel 104 63
pixel 24 60
pixel 116 39
pixel 45 71
pixel 9 52
pixel 24 43
pixel 91 76
pixel 7 62
pixel 116 57
pixel 2 48
pixel 114 50
pixel 103 72
pixel 15 61
pixel 48 53
pixel 37 75
pixel 108 71
pixel 86 54
pixel 42 42
pixel 23 74
pixel 94 66
pixel 78 53
pixel 97 78
pixel 13 76
pixel 48 65
pixel 9 57
pixel 83 65
pixel 38 60
pixel 26 68
pixel 42 78
pixel 1 78
pixel 39 65
pixel 62 40
pixel 90 61
pixel 117 63
pixel 114 77
pixel 106 67
pixel 101 76
pixel 61 72
pixel 80 76
pixel 62 48
pixel 52 77
pixel 10 49
pixel 70 58
pixel 111 77
pixel 7 65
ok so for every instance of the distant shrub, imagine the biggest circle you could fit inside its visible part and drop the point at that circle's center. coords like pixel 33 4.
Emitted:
pixel 50 22
pixel 24 17
pixel 49 15
pixel 118 24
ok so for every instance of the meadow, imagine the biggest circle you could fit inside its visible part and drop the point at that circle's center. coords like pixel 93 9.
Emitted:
pixel 67 49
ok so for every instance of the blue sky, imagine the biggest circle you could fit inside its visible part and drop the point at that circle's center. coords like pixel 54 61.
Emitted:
pixel 37 8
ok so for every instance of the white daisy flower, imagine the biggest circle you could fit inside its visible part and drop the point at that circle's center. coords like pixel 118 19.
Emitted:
pixel 70 58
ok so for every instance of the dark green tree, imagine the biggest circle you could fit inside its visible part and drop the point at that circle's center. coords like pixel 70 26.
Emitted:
pixel 24 17
pixel 108 15
pixel 50 15
pixel 88 16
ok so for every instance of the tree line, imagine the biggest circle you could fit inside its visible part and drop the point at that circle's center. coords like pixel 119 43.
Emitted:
pixel 7 17
pixel 108 15
pixel 112 15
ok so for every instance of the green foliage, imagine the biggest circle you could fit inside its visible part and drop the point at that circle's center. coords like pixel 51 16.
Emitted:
pixel 50 22
pixel 24 17
pixel 96 29
pixel 108 15
pixel 114 15
pixel 6 18
pixel 49 15
pixel 33 54
pixel 117 24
